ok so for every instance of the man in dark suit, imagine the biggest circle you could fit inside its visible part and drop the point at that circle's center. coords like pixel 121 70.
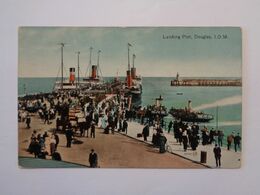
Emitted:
pixel 217 153
pixel 146 132
pixel 92 132
pixel 69 135
pixel 237 140
pixel 93 159
pixel 57 140
pixel 28 121
pixel 125 125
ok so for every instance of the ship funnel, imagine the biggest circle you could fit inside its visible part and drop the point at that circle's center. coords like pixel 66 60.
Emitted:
pixel 133 69
pixel 94 71
pixel 72 75
pixel 133 73
pixel 129 79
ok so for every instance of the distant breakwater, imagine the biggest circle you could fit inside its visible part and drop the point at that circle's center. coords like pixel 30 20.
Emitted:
pixel 207 82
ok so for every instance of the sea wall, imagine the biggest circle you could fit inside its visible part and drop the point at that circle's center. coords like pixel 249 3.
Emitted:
pixel 206 82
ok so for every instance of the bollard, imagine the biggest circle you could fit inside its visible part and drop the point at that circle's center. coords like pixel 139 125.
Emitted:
pixel 203 157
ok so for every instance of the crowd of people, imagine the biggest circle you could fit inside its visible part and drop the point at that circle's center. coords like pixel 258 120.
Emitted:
pixel 37 145
pixel 110 115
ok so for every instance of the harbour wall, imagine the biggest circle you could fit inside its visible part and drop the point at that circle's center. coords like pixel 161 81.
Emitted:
pixel 206 82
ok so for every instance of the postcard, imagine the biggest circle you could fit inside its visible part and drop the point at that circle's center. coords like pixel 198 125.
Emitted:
pixel 130 97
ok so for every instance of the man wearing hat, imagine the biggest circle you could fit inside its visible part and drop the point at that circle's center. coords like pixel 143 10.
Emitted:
pixel 93 129
pixel 217 153
pixel 145 132
pixel 237 140
pixel 162 142
pixel 93 159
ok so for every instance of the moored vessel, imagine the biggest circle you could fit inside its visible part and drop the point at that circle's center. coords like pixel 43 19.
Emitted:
pixel 189 115
pixel 133 81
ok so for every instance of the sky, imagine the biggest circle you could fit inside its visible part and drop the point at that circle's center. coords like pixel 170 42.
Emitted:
pixel 160 51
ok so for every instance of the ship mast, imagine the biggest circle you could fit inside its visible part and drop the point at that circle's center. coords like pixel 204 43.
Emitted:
pixel 134 60
pixel 128 72
pixel 78 68
pixel 62 45
pixel 90 54
pixel 128 49
pixel 99 51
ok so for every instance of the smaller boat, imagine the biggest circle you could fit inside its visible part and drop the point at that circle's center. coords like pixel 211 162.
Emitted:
pixel 158 108
pixel 189 115
pixel 179 93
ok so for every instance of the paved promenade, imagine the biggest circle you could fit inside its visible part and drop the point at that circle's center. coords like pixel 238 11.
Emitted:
pixel 229 159
pixel 114 150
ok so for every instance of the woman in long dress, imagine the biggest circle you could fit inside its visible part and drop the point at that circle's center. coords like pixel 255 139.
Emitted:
pixel 52 144
pixel 104 121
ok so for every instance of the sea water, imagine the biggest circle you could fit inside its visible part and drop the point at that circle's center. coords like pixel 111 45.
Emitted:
pixel 227 100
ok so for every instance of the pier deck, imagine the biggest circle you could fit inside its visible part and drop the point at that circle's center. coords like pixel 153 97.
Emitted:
pixel 114 150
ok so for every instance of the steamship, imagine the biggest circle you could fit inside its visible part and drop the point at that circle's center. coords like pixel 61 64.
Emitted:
pixel 94 80
pixel 133 81
pixel 92 83
pixel 68 84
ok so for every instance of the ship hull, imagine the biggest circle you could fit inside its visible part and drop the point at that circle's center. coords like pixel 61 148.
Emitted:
pixel 182 115
pixel 136 97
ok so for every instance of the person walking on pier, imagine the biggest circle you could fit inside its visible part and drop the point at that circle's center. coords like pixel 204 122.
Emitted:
pixel 28 121
pixel 120 124
pixel 211 135
pixel 92 132
pixel 230 139
pixel 170 126
pixel 93 159
pixel 146 132
pixel 57 139
pixel 162 141
pixel 220 138
pixel 52 144
pixel 125 125
pixel 237 140
pixel 185 140
pixel 217 153
pixel 46 117
pixel 69 136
